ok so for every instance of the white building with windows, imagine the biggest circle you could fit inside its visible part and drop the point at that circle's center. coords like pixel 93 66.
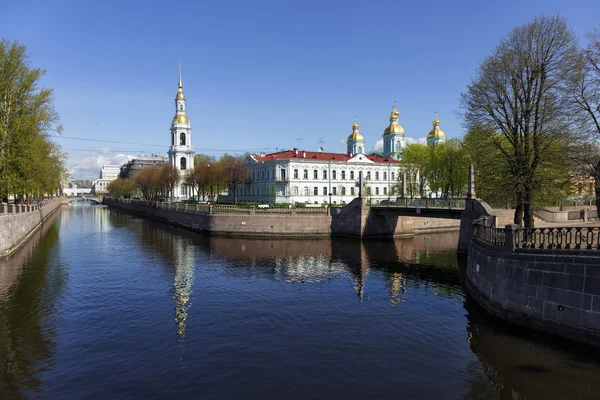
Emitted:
pixel 181 153
pixel 108 173
pixel 299 176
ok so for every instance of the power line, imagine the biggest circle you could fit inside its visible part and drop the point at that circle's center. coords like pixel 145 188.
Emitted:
pixel 153 145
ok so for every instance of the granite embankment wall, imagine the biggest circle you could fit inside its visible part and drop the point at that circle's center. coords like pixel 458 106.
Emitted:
pixel 354 220
pixel 267 225
pixel 19 222
pixel 531 283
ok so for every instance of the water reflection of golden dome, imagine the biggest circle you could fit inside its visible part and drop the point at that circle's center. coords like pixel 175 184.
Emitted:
pixel 436 131
pixel 181 119
pixel 355 135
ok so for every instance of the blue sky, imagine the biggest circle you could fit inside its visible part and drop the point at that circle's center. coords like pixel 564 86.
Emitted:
pixel 260 75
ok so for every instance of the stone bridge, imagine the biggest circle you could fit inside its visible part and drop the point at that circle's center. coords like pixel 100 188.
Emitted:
pixel 95 199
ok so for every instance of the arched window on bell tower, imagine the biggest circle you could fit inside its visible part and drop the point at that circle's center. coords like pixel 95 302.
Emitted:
pixel 182 139
pixel 182 163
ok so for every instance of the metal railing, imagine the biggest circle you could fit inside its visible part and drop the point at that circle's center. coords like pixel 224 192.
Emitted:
pixel 224 209
pixel 453 204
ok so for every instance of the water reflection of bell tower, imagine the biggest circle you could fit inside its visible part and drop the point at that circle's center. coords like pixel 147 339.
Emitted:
pixel 183 281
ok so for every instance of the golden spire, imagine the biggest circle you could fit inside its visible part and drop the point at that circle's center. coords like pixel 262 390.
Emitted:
pixel 180 95
pixel 180 85
pixel 355 126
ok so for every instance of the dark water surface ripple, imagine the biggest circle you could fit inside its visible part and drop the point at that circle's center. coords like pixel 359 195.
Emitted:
pixel 102 304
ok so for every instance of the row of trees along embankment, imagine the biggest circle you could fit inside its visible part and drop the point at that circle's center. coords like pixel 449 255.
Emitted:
pixel 206 180
pixel 532 115
pixel 31 164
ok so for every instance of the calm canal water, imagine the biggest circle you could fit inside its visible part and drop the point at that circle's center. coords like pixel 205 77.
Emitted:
pixel 106 305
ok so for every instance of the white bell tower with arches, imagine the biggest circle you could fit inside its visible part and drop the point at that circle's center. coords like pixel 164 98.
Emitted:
pixel 181 153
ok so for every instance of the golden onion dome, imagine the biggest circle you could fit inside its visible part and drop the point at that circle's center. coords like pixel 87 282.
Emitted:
pixel 180 95
pixel 181 119
pixel 436 131
pixel 394 126
pixel 355 135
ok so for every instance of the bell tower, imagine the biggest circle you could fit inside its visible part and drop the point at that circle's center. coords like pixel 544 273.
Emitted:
pixel 181 153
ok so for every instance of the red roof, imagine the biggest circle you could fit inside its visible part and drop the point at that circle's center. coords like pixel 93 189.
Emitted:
pixel 317 155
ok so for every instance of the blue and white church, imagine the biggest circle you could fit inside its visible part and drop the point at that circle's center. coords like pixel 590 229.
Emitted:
pixel 181 152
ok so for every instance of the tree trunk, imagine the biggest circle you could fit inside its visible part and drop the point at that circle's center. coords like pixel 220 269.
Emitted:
pixel 518 220
pixel 596 176
pixel 528 208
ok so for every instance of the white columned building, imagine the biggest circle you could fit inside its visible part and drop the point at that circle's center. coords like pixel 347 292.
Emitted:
pixel 181 153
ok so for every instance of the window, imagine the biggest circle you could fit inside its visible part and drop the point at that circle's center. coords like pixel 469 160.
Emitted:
pixel 352 175
pixel 262 174
pixel 316 191
pixel 384 190
pixel 182 138
pixel 306 191
pixel 376 175
pixel 283 174
pixel 305 174
pixel 295 191
pixel 334 174
pixel 184 190
pixel 369 175
pixel 324 174
pixel 384 176
pixel 334 191
pixel 392 175
pixel 295 174
pixel 315 174
pixel 376 190
pixel 343 174
pixel 343 190
pixel 324 190
pixel 352 191
pixel 182 163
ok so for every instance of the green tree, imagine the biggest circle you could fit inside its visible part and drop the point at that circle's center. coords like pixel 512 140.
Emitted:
pixel 416 160
pixel 30 163
pixel 122 188
pixel 519 92
pixel 448 168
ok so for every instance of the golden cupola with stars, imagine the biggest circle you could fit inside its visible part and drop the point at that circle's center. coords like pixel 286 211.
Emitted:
pixel 356 141
pixel 436 135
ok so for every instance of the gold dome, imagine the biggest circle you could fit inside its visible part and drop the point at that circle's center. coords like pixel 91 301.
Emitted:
pixel 180 95
pixel 355 135
pixel 181 119
pixel 436 131
pixel 394 126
